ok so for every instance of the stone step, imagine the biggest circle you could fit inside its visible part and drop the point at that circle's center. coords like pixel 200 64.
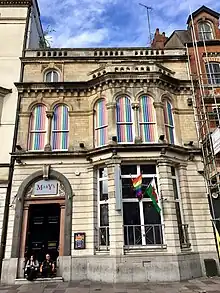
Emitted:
pixel 39 280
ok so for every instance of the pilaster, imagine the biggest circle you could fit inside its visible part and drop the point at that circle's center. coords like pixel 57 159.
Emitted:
pixel 115 217
pixel 112 131
pixel 49 115
pixel 171 232
pixel 135 107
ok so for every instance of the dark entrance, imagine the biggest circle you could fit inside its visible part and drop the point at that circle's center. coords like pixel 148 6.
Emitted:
pixel 43 231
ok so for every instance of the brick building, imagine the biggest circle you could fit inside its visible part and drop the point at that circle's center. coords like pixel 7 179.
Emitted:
pixel 89 121
pixel 202 40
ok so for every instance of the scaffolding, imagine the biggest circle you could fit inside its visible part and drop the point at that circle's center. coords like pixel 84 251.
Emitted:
pixel 206 106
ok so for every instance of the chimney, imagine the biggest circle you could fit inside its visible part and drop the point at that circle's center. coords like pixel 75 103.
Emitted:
pixel 159 40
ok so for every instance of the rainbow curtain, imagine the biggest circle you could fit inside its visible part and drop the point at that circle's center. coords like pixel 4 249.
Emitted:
pixel 124 120
pixel 60 128
pixel 168 120
pixel 37 128
pixel 101 123
pixel 147 120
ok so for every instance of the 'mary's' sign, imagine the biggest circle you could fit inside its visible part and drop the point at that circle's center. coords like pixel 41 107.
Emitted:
pixel 43 187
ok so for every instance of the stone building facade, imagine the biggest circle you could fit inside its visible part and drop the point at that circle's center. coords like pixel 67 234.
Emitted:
pixel 20 28
pixel 89 121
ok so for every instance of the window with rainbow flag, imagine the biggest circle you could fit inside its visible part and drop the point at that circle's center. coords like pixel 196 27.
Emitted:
pixel 101 123
pixel 124 120
pixel 168 121
pixel 60 128
pixel 147 120
pixel 37 128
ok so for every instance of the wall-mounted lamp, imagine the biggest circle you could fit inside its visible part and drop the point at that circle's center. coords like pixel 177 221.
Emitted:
pixel 18 147
pixel 114 138
pixel 162 137
pixel 190 143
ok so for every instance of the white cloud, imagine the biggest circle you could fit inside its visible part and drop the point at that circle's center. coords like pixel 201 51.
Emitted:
pixel 88 23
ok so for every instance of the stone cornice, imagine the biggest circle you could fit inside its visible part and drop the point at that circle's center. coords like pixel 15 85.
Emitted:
pixel 103 150
pixel 4 91
pixel 109 80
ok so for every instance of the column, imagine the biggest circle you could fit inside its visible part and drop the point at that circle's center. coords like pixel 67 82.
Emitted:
pixel 62 227
pixel 112 131
pixel 186 202
pixel 171 231
pixel 160 119
pixel 24 231
pixel 135 107
pixel 47 147
pixel 115 217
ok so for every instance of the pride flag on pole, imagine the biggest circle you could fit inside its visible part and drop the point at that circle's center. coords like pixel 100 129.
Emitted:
pixel 137 184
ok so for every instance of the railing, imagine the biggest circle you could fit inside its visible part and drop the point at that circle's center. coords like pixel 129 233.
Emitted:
pixel 184 236
pixel 103 238
pixel 143 235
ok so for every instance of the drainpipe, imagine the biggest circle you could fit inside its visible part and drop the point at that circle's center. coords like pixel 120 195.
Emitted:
pixel 12 160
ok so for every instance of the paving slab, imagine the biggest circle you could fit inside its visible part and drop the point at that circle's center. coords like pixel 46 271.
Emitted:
pixel 201 285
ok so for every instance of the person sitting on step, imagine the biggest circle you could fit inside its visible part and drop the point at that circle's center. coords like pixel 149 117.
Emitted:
pixel 31 268
pixel 47 268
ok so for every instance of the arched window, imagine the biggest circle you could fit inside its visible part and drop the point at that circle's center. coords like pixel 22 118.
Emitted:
pixel 147 119
pixel 37 128
pixel 124 120
pixel 60 128
pixel 168 121
pixel 213 72
pixel 101 123
pixel 205 31
pixel 51 76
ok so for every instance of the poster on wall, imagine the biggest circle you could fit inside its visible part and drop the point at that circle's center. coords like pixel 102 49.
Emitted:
pixel 79 240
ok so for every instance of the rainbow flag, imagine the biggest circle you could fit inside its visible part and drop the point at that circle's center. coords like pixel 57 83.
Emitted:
pixel 137 183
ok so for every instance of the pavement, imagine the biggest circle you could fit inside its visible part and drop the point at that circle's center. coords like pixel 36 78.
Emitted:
pixel 201 285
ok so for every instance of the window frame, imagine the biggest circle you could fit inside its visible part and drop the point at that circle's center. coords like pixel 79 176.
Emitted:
pixel 52 72
pixel 212 76
pixel 142 123
pixel 203 33
pixel 99 203
pixel 31 132
pixel 167 125
pixel 124 122
pixel 141 207
pixel 104 126
pixel 60 130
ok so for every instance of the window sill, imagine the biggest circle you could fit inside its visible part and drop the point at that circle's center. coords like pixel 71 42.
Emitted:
pixel 137 249
pixel 102 251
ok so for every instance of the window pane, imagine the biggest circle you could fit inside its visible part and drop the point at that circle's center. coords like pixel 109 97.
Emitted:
pixel 103 190
pixel 128 169
pixel 175 190
pixel 127 188
pixel 55 76
pixel 103 173
pixel 49 77
pixel 132 227
pixel 104 219
pixel 173 171
pixel 148 169
pixel 100 123
pixel 152 221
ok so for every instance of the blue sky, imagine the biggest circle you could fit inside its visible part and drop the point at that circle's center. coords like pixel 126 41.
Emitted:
pixel 113 23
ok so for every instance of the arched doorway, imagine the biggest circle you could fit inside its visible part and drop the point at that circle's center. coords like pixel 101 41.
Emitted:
pixel 47 203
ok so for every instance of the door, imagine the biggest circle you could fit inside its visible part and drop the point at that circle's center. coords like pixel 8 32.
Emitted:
pixel 43 231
